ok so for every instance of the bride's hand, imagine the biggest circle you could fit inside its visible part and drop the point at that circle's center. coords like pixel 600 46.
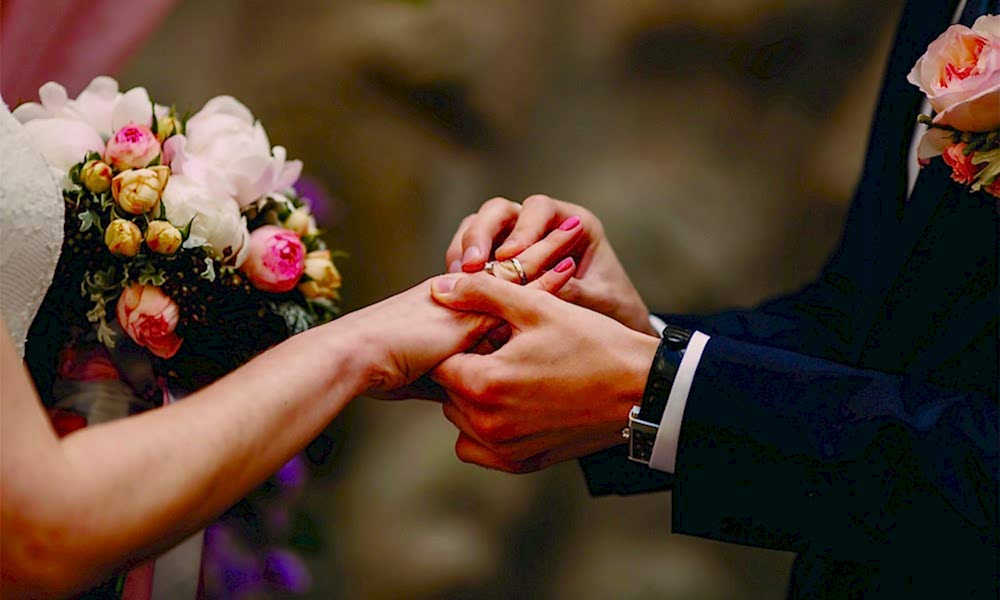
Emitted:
pixel 601 284
pixel 407 335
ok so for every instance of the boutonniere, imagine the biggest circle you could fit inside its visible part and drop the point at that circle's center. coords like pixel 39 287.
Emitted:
pixel 960 74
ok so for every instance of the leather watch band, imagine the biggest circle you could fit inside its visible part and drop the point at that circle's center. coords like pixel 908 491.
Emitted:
pixel 661 375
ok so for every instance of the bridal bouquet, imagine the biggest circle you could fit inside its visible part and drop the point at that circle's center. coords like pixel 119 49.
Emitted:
pixel 186 251
pixel 960 75
pixel 182 233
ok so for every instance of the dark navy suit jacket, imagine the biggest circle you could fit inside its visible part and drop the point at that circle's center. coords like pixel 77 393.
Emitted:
pixel 856 421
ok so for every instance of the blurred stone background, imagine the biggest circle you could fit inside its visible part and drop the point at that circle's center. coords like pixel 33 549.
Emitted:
pixel 719 140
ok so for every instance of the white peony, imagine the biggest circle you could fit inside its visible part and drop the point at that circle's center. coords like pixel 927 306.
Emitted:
pixel 65 130
pixel 223 143
pixel 217 219
pixel 100 105
pixel 63 143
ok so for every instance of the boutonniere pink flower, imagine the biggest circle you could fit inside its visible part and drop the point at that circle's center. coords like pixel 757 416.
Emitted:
pixel 960 74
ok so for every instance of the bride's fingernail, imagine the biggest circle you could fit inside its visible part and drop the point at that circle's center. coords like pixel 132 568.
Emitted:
pixel 569 223
pixel 444 285
pixel 471 254
pixel 564 266
pixel 455 266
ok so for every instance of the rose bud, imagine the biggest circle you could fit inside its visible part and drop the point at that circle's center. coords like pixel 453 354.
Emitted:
pixel 167 126
pixel 138 191
pixel 301 222
pixel 324 278
pixel 132 147
pixel 96 176
pixel 163 238
pixel 123 238
pixel 276 259
pixel 150 317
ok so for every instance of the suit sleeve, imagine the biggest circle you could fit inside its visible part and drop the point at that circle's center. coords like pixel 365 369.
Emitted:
pixel 816 321
pixel 778 449
pixel 812 321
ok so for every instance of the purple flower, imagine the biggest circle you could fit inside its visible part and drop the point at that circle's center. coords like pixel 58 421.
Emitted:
pixel 293 474
pixel 287 571
pixel 316 197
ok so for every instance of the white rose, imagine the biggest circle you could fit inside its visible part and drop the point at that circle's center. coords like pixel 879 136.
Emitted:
pixel 217 218
pixel 223 143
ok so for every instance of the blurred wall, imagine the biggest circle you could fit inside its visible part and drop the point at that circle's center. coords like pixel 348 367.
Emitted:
pixel 719 140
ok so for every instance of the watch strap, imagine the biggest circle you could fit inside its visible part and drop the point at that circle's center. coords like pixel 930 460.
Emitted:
pixel 662 373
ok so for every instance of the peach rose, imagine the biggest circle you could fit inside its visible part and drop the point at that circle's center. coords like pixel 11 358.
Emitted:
pixel 138 191
pixel 150 317
pixel 960 74
pixel 132 147
pixel 276 259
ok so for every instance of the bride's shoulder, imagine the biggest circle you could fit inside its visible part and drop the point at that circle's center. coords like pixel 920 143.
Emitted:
pixel 31 227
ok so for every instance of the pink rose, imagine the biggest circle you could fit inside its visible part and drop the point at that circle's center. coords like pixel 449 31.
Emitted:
pixel 150 317
pixel 276 259
pixel 960 74
pixel 962 169
pixel 132 147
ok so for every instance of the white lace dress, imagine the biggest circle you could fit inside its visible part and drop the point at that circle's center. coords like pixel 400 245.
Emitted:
pixel 31 228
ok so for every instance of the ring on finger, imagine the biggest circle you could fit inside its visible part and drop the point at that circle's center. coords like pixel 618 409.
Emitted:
pixel 520 270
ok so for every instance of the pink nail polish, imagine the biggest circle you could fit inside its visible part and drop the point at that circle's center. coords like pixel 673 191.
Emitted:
pixel 569 223
pixel 565 265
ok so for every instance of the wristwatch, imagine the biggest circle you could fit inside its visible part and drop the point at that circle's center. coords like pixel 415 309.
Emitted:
pixel 644 420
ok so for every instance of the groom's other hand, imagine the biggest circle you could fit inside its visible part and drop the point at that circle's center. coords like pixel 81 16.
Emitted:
pixel 601 284
pixel 561 388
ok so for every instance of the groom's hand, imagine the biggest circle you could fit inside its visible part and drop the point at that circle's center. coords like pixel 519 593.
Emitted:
pixel 561 388
pixel 601 283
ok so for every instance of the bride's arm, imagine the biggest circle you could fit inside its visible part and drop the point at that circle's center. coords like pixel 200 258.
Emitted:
pixel 75 509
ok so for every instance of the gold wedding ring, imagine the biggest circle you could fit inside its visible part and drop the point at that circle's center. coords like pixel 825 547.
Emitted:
pixel 519 269
pixel 511 266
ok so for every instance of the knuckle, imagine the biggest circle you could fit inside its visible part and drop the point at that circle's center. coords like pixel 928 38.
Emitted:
pixel 537 200
pixel 496 203
pixel 492 430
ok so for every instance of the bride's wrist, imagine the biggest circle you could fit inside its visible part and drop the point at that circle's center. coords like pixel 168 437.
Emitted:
pixel 349 356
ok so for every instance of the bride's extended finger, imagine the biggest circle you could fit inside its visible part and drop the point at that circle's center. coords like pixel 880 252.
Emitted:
pixel 453 256
pixel 495 217
pixel 554 280
pixel 546 253
pixel 539 214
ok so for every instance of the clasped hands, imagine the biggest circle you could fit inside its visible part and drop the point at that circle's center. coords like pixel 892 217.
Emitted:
pixel 568 354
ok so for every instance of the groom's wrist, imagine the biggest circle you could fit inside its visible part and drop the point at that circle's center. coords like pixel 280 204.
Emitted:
pixel 643 349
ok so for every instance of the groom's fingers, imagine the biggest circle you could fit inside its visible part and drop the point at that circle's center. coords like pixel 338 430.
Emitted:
pixel 483 293
pixel 469 450
pixel 496 216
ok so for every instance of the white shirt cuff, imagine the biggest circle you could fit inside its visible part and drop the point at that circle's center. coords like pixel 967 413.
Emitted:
pixel 664 456
pixel 658 324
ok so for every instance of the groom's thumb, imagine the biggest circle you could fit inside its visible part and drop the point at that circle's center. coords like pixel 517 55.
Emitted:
pixel 483 293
